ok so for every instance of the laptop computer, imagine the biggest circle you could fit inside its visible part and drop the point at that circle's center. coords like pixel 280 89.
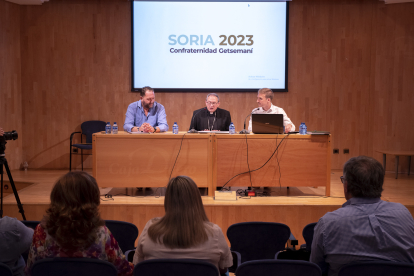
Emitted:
pixel 267 123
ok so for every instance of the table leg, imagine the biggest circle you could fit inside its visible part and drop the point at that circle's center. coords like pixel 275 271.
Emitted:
pixel 409 164
pixel 397 159
pixel 384 160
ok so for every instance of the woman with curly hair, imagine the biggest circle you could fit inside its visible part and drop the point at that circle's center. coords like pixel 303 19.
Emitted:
pixel 184 232
pixel 73 228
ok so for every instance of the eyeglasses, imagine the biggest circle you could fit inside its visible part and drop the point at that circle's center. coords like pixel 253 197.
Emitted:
pixel 342 179
pixel 211 103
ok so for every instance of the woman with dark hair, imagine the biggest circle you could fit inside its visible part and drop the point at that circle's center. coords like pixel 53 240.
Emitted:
pixel 184 232
pixel 73 228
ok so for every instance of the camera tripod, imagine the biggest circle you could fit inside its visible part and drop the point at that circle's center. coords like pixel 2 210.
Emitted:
pixel 3 162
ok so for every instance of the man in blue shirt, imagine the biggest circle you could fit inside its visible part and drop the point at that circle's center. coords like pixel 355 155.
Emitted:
pixel 146 115
pixel 365 228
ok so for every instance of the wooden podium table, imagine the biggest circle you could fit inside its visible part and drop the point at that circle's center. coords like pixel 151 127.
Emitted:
pixel 299 161
pixel 146 160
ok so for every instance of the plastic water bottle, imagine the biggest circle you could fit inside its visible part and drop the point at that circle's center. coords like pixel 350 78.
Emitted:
pixel 115 128
pixel 232 129
pixel 108 128
pixel 175 128
pixel 303 129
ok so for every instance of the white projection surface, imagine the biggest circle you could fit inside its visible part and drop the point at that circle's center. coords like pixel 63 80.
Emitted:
pixel 209 45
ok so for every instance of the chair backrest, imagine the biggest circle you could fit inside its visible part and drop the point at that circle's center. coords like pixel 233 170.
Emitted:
pixel 124 232
pixel 91 127
pixel 307 234
pixel 299 255
pixel 73 266
pixel 380 268
pixel 278 267
pixel 258 240
pixel 5 270
pixel 181 267
pixel 31 223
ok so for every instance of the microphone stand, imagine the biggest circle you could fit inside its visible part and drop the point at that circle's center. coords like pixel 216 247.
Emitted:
pixel 245 131
pixel 192 122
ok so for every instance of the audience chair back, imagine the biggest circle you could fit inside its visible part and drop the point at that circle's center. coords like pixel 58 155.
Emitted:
pixel 124 232
pixel 5 270
pixel 258 240
pixel 299 255
pixel 376 269
pixel 307 234
pixel 278 267
pixel 181 267
pixel 31 223
pixel 88 128
pixel 73 266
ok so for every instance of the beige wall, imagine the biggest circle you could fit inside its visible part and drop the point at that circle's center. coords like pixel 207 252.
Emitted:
pixel 350 72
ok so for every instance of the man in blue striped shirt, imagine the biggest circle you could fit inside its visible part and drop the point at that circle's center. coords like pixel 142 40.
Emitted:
pixel 366 228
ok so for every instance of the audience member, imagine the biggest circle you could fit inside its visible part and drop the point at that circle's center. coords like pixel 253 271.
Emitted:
pixel 73 227
pixel 184 232
pixel 366 228
pixel 15 239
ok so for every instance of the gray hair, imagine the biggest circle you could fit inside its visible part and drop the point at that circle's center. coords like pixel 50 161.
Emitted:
pixel 364 176
pixel 215 95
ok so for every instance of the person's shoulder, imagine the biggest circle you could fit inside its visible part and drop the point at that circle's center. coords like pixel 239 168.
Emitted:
pixel 214 228
pixel 158 105
pixel 12 224
pixel 389 206
pixel 223 111
pixel 198 111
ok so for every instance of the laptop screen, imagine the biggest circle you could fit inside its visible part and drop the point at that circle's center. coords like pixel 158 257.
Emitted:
pixel 267 123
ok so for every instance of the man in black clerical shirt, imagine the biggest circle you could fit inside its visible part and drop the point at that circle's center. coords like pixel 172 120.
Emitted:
pixel 211 118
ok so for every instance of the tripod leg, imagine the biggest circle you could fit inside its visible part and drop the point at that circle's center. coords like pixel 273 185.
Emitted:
pixel 16 195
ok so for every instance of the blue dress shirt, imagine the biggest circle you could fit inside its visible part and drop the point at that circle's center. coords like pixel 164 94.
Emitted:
pixel 135 116
pixel 364 229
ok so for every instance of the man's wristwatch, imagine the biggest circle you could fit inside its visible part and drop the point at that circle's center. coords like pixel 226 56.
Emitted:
pixel 154 130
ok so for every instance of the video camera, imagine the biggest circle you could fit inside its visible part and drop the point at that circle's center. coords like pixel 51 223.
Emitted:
pixel 11 135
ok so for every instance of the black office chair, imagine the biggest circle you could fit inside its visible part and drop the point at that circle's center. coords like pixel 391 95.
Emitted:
pixel 88 128
pixel 256 241
pixel 377 268
pixel 5 270
pixel 298 255
pixel 73 266
pixel 31 223
pixel 278 267
pixel 307 234
pixel 124 232
pixel 181 267
pixel 304 251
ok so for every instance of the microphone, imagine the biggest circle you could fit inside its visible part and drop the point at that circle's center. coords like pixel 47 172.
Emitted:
pixel 245 131
pixel 192 121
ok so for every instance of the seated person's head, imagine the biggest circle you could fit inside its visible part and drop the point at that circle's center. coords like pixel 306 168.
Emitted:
pixel 183 225
pixel 363 177
pixel 73 214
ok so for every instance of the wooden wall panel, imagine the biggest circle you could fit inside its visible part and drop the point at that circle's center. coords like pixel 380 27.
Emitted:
pixel 392 81
pixel 350 72
pixel 10 80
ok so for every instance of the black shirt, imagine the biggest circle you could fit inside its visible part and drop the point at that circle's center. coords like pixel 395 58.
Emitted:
pixel 219 120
